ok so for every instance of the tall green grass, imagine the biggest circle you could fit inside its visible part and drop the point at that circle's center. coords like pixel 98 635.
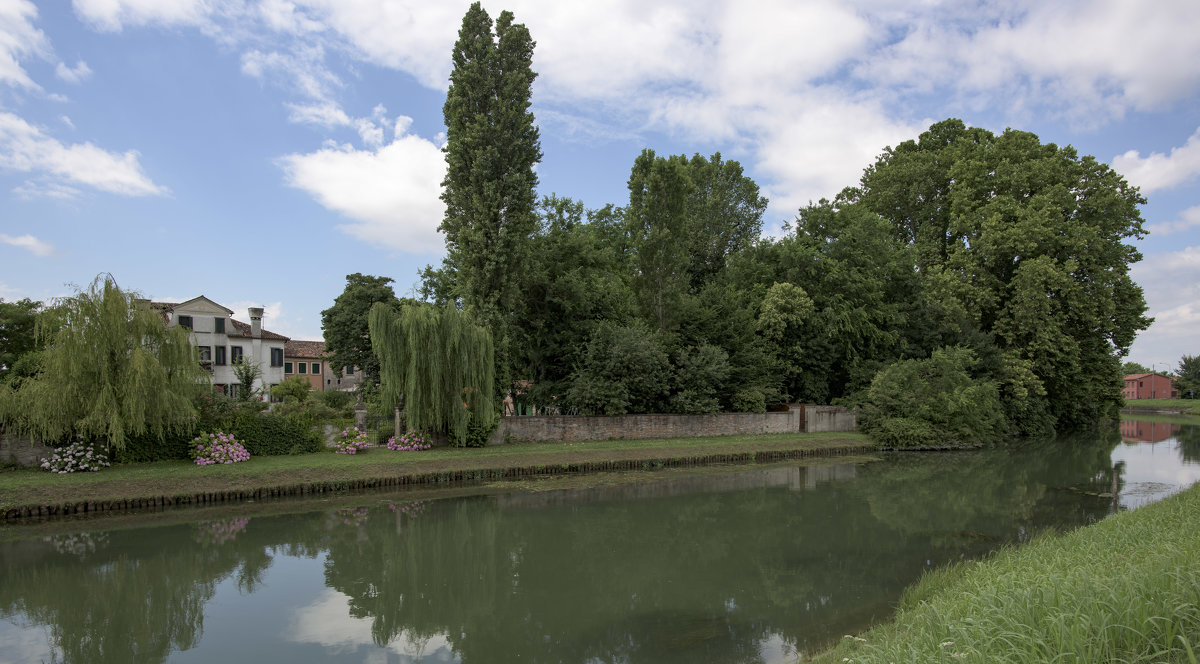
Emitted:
pixel 1124 590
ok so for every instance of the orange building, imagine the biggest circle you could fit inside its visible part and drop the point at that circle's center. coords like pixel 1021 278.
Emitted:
pixel 307 360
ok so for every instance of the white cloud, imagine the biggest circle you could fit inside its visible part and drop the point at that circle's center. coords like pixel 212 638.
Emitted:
pixel 1160 171
pixel 328 622
pixel 67 121
pixel 303 70
pixel 29 243
pixel 25 148
pixel 1189 218
pixel 391 194
pixel 1172 284
pixel 18 39
pixel 77 74
pixel 31 189
pixel 115 15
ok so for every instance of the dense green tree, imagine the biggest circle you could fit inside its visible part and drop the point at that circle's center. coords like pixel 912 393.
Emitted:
pixel 1028 242
pixel 933 402
pixel 724 215
pixel 1187 379
pixel 113 370
pixel 17 333
pixel 626 370
pixel 659 191
pixel 295 388
pixel 1133 368
pixel 438 365
pixel 344 325
pixel 491 149
pixel 571 281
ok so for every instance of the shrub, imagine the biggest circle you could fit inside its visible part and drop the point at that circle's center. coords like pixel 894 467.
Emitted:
pixel 337 400
pixel 213 448
pixel 933 402
pixel 145 448
pixel 294 388
pixel 350 441
pixel 76 457
pixel 413 441
pixel 272 435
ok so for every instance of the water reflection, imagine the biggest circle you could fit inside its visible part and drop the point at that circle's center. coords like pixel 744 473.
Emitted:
pixel 754 565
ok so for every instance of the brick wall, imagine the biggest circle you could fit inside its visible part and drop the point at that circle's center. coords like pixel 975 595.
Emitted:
pixel 570 428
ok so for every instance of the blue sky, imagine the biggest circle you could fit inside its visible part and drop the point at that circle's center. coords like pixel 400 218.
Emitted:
pixel 258 151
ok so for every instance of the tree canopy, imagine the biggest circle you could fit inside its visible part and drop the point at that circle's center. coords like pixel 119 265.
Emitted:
pixel 113 369
pixel 345 326
pixel 436 363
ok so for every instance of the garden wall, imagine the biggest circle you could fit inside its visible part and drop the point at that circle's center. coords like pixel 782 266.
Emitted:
pixel 544 428
pixel 21 450
pixel 819 419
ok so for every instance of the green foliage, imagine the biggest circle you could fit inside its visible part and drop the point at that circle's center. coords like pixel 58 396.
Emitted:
pixel 295 388
pixel 310 412
pixel 266 434
pixel 438 365
pixel 748 401
pixel 1024 246
pixel 1188 377
pixel 336 399
pixel 933 402
pixel 18 336
pixel 147 448
pixel 345 327
pixel 659 189
pixel 492 147
pixel 246 373
pixel 112 370
pixel 701 374
pixel 626 370
pixel 1133 368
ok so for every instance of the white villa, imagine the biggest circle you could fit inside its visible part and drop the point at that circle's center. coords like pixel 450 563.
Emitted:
pixel 220 341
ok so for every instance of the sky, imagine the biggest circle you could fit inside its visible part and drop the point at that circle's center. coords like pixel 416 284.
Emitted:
pixel 258 151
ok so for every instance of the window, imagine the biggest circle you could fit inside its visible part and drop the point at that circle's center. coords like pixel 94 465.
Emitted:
pixel 219 325
pixel 235 354
pixel 185 321
pixel 287 367
pixel 234 388
pixel 277 357
pixel 302 366
pixel 316 368
pixel 219 356
pixel 349 371
pixel 205 353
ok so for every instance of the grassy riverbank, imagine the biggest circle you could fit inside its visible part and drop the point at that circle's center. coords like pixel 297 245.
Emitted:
pixel 1187 406
pixel 1124 590
pixel 25 488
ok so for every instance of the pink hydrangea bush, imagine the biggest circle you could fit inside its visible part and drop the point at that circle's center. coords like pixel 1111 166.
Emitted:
pixel 209 449
pixel 76 457
pixel 350 441
pixel 412 441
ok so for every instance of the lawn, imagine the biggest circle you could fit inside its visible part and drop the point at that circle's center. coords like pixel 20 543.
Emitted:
pixel 30 487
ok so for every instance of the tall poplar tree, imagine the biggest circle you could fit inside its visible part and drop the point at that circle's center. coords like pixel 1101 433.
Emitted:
pixel 491 148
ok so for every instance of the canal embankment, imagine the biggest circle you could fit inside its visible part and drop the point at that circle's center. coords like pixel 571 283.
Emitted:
pixel 1125 589
pixel 31 493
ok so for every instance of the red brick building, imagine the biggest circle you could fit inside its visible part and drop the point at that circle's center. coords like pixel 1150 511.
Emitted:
pixel 1149 386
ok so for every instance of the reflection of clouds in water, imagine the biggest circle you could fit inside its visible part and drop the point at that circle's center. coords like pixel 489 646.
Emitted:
pixel 327 622
pixel 24 644
pixel 1153 471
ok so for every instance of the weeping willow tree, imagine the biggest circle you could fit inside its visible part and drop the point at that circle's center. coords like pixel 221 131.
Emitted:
pixel 438 364
pixel 111 369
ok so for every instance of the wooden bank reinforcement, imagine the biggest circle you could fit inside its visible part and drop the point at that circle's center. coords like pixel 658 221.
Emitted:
pixel 418 479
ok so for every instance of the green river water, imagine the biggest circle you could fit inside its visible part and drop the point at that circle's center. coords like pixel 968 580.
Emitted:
pixel 734 564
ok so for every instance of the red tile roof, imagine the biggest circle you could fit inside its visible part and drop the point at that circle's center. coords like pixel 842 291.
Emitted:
pixel 306 349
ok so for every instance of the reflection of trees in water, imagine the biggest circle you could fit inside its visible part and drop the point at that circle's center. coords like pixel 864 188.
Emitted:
pixel 621 577
pixel 712 574
pixel 1189 442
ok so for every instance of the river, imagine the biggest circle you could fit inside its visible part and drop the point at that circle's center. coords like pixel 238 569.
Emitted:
pixel 733 564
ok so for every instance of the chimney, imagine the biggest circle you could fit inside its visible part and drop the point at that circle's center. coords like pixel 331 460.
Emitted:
pixel 256 314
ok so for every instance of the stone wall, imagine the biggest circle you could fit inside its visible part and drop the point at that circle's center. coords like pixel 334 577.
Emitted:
pixel 544 428
pixel 21 450
pixel 820 419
